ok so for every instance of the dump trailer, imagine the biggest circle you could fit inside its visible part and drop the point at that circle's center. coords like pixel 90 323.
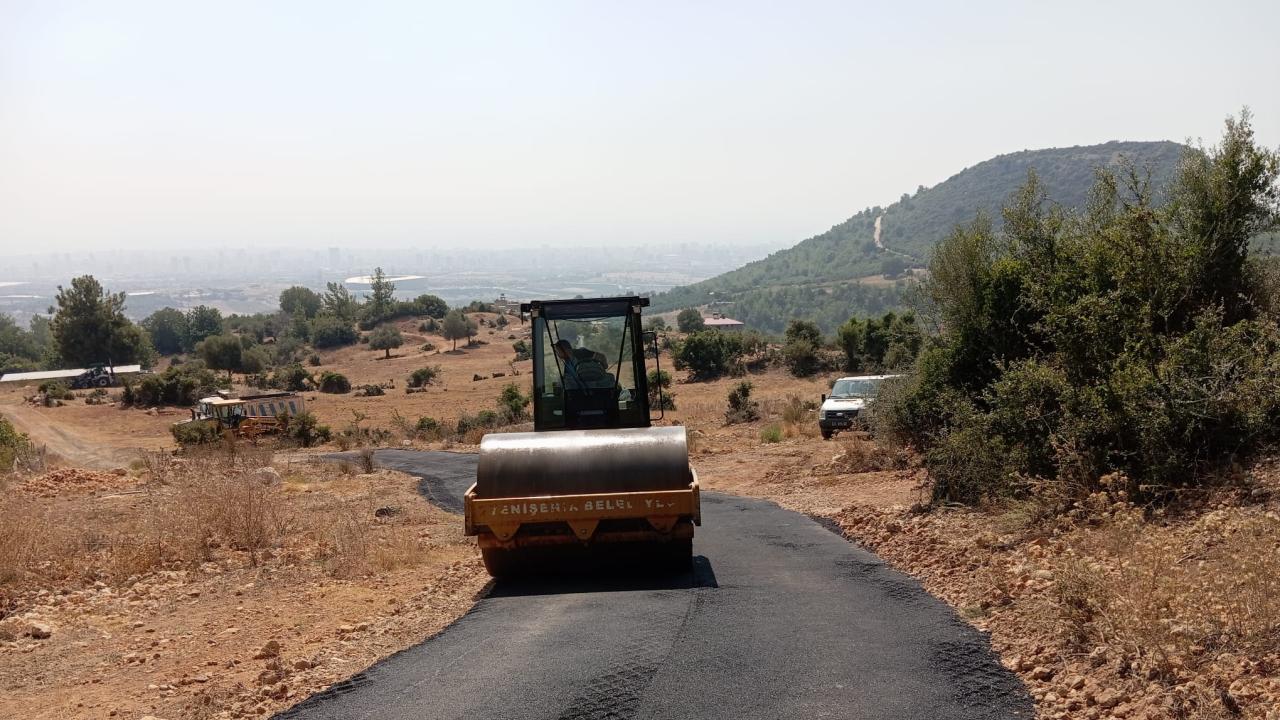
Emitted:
pixel 594 482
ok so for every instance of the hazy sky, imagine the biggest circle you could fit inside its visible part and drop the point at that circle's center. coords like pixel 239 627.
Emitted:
pixel 475 123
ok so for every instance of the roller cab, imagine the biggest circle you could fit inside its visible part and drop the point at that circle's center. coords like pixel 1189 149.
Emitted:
pixel 594 481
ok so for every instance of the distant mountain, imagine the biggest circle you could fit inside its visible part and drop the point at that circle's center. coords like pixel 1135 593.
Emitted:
pixel 841 272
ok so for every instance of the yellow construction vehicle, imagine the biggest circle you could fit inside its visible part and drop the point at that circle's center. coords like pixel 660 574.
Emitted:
pixel 249 416
pixel 594 481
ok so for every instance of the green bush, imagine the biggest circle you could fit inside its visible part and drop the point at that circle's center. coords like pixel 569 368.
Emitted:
pixel 294 378
pixel 313 360
pixel 660 398
pixel 708 354
pixel 372 391
pixel 14 446
pixel 424 376
pixel 1134 338
pixel 333 382
pixel 330 332
pixel 771 434
pixel 180 385
pixel 197 432
pixel 429 428
pixel 523 351
pixel 742 408
pixel 513 405
pixel 483 420
pixel 305 430
pixel 55 390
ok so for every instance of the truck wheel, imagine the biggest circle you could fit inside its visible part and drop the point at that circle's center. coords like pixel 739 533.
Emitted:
pixel 826 434
pixel 103 382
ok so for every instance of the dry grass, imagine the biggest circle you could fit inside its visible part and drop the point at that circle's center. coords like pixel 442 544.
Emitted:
pixel 215 503
pixel 859 454
pixel 22 535
pixel 1174 602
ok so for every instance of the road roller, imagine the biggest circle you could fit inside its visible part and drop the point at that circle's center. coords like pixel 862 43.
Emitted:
pixel 595 483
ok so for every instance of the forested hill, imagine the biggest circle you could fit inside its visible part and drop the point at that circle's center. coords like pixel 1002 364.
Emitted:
pixel 818 279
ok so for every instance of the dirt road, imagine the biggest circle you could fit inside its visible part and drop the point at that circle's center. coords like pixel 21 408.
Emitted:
pixel 65 443
pixel 779 619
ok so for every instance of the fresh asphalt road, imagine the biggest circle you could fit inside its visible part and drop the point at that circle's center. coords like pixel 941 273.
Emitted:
pixel 780 618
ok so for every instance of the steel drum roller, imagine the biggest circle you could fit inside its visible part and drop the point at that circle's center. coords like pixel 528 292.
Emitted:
pixel 574 462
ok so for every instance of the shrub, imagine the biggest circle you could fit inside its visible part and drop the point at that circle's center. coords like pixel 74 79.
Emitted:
pixel 305 430
pixel 429 428
pixel 55 390
pixel 483 420
pixel 1132 338
pixel 197 432
pixel 180 385
pixel 513 404
pixel 372 391
pixel 659 397
pixel 333 382
pixel 294 378
pixel 14 447
pixel 427 347
pixel 429 325
pixel 424 376
pixel 330 332
pixel 801 357
pixel 523 351
pixel 741 407
pixel 313 360
pixel 709 354
pixel 771 434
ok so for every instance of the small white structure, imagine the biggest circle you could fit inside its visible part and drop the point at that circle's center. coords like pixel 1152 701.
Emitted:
pixel 54 374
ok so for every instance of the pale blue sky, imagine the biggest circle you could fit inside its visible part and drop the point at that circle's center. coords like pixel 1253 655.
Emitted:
pixel 507 124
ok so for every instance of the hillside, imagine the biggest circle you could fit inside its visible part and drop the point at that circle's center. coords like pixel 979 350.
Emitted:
pixel 818 278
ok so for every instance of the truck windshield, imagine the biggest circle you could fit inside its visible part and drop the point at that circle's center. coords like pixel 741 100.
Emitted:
pixel 856 388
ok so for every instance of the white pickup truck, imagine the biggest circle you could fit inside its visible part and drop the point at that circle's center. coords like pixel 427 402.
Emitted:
pixel 849 398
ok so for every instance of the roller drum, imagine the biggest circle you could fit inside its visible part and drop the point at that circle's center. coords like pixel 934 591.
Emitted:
pixel 572 462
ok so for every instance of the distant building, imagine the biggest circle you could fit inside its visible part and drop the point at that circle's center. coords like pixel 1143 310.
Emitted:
pixel 508 307
pixel 718 321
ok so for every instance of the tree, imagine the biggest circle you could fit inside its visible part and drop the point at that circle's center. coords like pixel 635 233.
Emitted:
pixel 168 330
pixel 221 352
pixel 300 299
pixel 340 303
pixel 381 296
pixel 203 322
pixel 385 338
pixel 805 330
pixel 424 376
pixel 656 324
pixel 431 306
pixel 455 327
pixel 253 360
pixel 709 354
pixel 329 331
pixel 473 329
pixel 89 326
pixel 15 341
pixel 690 320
